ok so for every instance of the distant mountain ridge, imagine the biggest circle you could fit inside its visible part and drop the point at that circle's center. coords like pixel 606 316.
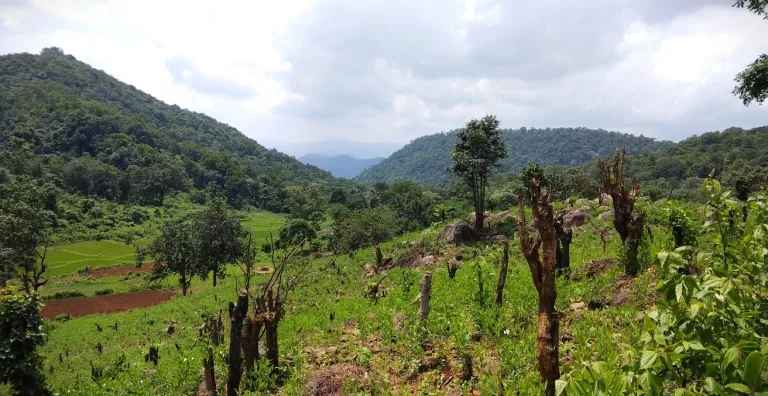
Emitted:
pixel 337 147
pixel 344 166
pixel 426 159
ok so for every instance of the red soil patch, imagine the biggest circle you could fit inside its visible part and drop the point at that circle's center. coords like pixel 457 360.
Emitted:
pixel 106 272
pixel 111 303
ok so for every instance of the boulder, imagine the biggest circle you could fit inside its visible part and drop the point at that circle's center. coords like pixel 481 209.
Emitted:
pixel 604 198
pixel 575 218
pixel 581 203
pixel 606 215
pixel 459 233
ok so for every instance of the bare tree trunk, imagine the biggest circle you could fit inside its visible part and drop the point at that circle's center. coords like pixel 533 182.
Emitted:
pixel 214 277
pixel 466 367
pixel 502 274
pixel 273 354
pixel 209 374
pixel 628 223
pixel 379 257
pixel 251 330
pixel 543 273
pixel 237 314
pixel 426 288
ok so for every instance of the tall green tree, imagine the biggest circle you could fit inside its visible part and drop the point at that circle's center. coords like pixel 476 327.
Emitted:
pixel 218 234
pixel 305 202
pixel 174 252
pixel 24 227
pixel 475 157
pixel 752 83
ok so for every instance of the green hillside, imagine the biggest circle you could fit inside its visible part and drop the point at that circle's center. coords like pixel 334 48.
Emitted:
pixel 426 159
pixel 65 123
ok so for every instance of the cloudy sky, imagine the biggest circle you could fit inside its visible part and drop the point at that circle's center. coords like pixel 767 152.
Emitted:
pixel 392 70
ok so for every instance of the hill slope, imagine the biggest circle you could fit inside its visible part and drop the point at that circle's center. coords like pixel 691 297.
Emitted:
pixel 340 165
pixel 65 122
pixel 426 159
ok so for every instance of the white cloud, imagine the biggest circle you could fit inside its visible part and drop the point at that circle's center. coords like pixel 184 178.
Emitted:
pixel 395 70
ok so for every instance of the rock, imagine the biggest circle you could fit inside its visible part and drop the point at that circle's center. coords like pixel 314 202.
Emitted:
pixel 578 308
pixel 398 322
pixel 606 216
pixel 459 233
pixel 568 202
pixel 499 239
pixel 604 198
pixel 622 293
pixel 427 260
pixel 575 218
pixel 492 366
pixel 411 259
pixel 428 363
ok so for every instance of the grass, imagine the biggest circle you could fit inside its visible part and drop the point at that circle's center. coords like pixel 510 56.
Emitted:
pixel 71 257
pixel 262 224
pixel 504 356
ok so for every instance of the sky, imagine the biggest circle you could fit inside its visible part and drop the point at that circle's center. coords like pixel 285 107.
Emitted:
pixel 287 72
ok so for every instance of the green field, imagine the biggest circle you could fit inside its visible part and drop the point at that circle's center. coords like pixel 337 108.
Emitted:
pixel 261 224
pixel 69 258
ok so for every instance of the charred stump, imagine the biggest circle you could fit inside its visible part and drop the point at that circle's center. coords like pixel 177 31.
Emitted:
pixel 502 275
pixel 627 221
pixel 539 252
pixel 426 289
pixel 237 314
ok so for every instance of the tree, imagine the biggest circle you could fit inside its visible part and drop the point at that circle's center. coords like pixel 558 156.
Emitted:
pixel 21 333
pixel 217 237
pixel 174 252
pixel 361 228
pixel 475 156
pixel 543 272
pixel 752 83
pixel 305 202
pixel 24 228
pixel 296 232
pixel 627 221
pixel 411 203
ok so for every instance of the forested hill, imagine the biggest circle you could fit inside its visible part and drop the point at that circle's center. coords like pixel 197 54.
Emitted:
pixel 83 130
pixel 427 158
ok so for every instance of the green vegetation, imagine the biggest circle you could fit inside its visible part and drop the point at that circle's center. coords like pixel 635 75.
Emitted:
pixel 426 159
pixel 73 257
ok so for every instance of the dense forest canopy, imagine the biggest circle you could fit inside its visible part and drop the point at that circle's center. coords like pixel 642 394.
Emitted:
pixel 64 122
pixel 426 159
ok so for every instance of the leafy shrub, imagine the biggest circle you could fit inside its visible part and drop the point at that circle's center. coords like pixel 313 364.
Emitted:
pixel 63 318
pixel 708 333
pixel 104 292
pixel 20 336
pixel 64 294
pixel 362 228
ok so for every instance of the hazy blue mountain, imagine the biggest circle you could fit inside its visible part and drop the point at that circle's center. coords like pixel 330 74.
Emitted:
pixel 341 165
pixel 337 147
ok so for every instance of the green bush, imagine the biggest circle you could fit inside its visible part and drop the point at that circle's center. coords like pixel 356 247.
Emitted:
pixel 64 294
pixel 104 292
pixel 20 336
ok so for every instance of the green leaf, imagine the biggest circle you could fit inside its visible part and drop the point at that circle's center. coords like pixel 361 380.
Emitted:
pixel 730 356
pixel 711 386
pixel 648 358
pixel 738 387
pixel 752 366
pixel 684 392
pixel 560 387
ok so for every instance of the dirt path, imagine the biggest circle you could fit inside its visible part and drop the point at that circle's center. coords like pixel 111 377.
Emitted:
pixel 111 303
